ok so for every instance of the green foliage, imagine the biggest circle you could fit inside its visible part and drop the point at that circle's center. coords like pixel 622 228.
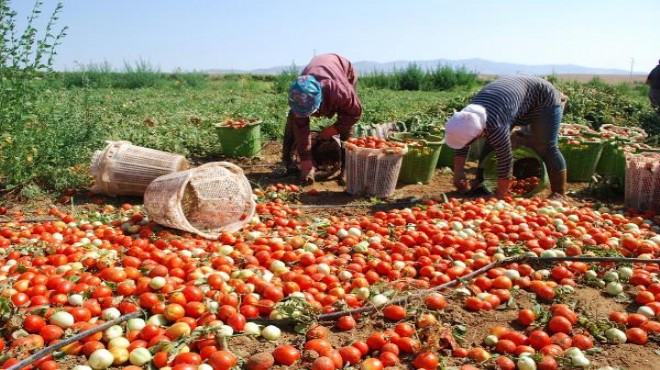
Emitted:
pixel 414 78
pixel 410 78
pixel 24 57
pixel 596 103
pixel 284 79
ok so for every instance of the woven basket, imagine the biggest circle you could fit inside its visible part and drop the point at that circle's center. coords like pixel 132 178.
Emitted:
pixel 372 172
pixel 643 181
pixel 205 200
pixel 581 158
pixel 420 162
pixel 520 155
pixel 125 169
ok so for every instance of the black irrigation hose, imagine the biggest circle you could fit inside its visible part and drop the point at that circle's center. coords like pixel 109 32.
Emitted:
pixel 48 350
pixel 385 204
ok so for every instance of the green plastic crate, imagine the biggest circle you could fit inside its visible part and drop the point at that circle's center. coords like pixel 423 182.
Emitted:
pixel 612 163
pixel 240 142
pixel 420 162
pixel 581 158
pixel 489 165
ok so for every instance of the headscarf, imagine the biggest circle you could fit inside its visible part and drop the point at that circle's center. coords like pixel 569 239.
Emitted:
pixel 465 126
pixel 305 95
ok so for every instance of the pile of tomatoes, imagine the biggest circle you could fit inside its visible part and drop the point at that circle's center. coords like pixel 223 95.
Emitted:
pixel 238 123
pixel 374 142
pixel 523 186
pixel 59 278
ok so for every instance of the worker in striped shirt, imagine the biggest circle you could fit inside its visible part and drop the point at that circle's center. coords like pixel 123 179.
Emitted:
pixel 494 111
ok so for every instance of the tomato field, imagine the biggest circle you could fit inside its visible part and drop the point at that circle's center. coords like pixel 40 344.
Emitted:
pixel 323 280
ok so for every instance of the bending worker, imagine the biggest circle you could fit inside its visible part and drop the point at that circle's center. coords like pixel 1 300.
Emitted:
pixel 325 88
pixel 500 105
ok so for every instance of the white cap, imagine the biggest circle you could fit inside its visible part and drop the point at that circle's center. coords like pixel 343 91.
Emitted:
pixel 465 126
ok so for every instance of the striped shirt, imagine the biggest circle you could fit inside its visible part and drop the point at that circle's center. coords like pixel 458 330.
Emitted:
pixel 510 101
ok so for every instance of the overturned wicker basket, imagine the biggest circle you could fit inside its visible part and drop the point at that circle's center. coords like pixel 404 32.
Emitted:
pixel 206 200
pixel 126 169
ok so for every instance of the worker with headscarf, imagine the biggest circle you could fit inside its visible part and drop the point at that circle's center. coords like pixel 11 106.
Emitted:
pixel 494 111
pixel 326 87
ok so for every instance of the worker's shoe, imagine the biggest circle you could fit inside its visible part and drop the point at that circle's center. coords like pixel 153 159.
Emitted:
pixel 306 172
pixel 557 184
pixel 285 170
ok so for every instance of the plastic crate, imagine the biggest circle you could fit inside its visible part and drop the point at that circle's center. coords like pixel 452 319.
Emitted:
pixel 240 142
pixel 421 160
pixel 372 172
pixel 521 169
pixel 446 157
pixel 581 157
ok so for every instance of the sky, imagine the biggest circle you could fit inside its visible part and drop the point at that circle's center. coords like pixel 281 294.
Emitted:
pixel 248 34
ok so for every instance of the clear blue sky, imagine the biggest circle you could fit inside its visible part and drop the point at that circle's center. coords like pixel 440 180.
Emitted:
pixel 245 34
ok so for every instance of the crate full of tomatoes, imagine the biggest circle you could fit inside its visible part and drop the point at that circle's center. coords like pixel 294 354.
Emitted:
pixel 373 165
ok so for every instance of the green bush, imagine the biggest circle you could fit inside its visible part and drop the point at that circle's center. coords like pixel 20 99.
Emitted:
pixel 413 78
pixel 284 79
pixel 23 59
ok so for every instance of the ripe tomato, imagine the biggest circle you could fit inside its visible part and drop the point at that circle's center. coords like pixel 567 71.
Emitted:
pixel 435 301
pixel 286 355
pixel 394 313
pixel 526 317
pixel 636 336
pixel 560 324
pixel 426 360
pixel 222 360
pixel 346 323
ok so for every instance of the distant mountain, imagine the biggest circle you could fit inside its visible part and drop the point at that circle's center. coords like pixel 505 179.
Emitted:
pixel 480 66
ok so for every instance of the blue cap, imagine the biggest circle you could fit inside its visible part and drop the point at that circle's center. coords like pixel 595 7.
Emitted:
pixel 305 95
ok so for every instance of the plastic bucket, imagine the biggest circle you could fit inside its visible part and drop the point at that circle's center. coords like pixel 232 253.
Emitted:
pixel 419 163
pixel 581 157
pixel 526 163
pixel 240 142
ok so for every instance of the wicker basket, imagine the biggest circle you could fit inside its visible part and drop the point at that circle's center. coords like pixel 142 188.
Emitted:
pixel 125 169
pixel 205 200
pixel 642 190
pixel 372 172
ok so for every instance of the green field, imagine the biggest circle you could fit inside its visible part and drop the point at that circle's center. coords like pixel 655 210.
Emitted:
pixel 64 124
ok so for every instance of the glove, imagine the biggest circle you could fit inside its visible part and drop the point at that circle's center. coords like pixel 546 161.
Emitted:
pixel 328 132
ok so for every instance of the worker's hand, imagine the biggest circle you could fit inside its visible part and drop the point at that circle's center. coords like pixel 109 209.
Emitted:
pixel 328 132
pixel 503 186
